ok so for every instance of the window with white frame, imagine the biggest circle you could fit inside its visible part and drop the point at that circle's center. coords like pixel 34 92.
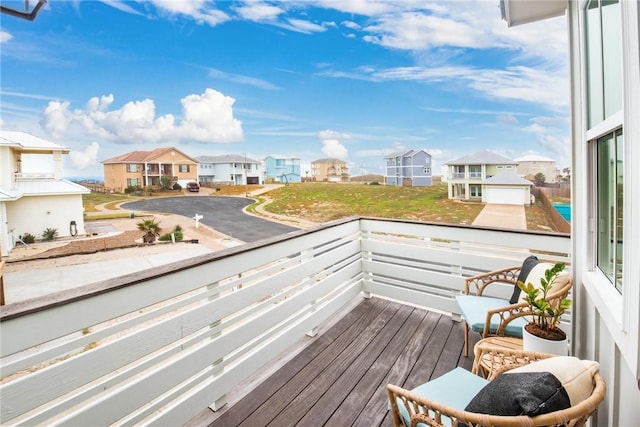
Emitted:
pixel 605 134
pixel 132 167
pixel 475 190
pixel 183 168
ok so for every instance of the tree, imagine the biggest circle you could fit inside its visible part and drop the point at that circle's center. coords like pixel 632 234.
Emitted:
pixel 166 182
pixel 539 179
pixel 151 230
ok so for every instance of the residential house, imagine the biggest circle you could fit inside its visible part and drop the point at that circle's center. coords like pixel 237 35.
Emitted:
pixel 468 177
pixel 282 169
pixel 532 164
pixel 144 168
pixel 194 332
pixel 234 169
pixel 410 168
pixel 32 201
pixel 331 170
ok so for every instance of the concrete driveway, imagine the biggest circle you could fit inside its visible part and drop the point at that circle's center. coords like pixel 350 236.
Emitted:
pixel 224 214
pixel 502 216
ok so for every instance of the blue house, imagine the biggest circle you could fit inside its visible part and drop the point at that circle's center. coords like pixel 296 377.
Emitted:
pixel 282 169
pixel 410 168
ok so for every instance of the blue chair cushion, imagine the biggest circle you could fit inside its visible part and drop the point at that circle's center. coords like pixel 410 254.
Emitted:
pixel 456 389
pixel 474 310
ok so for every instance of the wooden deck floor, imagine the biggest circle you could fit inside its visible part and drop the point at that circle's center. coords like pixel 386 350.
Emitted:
pixel 340 378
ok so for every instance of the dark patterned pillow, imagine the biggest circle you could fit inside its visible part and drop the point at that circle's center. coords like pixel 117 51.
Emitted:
pixel 527 265
pixel 538 388
pixel 530 393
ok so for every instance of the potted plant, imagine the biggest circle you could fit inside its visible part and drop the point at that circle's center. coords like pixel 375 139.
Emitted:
pixel 542 333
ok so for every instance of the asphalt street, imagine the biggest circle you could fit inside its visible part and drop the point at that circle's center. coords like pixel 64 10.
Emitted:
pixel 224 214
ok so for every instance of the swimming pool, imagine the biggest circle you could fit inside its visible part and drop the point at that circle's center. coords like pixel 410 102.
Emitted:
pixel 564 209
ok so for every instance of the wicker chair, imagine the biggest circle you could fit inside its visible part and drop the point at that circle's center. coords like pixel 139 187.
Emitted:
pixel 410 408
pixel 496 316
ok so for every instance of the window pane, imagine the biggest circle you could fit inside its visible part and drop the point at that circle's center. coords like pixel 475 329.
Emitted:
pixel 611 57
pixel 619 210
pixel 610 194
pixel 594 64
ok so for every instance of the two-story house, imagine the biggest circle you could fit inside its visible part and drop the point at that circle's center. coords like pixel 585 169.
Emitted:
pixel 34 195
pixel 331 170
pixel 532 164
pixel 282 169
pixel 234 169
pixel 488 177
pixel 145 168
pixel 410 168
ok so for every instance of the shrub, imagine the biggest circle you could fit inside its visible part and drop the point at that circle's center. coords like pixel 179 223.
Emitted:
pixel 132 189
pixel 49 234
pixel 29 238
pixel 177 232
pixel 177 186
pixel 374 183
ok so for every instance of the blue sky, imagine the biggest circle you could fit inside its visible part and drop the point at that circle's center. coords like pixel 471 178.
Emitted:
pixel 350 79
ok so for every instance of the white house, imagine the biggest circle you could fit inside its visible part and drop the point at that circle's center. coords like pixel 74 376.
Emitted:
pixel 31 202
pixel 229 168
pixel 532 164
pixel 605 130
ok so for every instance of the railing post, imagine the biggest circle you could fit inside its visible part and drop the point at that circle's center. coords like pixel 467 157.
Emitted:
pixel 306 255
pixel 218 366
pixel 366 275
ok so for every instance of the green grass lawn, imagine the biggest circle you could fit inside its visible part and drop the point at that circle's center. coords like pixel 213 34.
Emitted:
pixel 321 202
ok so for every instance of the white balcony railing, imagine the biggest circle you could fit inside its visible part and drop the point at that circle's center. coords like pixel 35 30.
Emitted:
pixel 160 345
pixel 33 176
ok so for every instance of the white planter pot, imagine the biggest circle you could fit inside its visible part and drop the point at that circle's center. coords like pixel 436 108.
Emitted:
pixel 541 345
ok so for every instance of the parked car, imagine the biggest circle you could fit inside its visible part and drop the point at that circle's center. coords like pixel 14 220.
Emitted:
pixel 193 187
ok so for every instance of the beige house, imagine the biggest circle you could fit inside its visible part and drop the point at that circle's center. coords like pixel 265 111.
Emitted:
pixel 532 164
pixel 144 168
pixel 332 170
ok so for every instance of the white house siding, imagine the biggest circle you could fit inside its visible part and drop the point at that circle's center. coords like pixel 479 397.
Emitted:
pixel 34 214
pixel 608 326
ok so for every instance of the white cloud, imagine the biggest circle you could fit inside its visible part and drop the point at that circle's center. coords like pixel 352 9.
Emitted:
pixel 238 78
pixel 86 158
pixel 5 37
pixel 331 145
pixel 508 119
pixel 200 10
pixel 206 118
pixel 259 11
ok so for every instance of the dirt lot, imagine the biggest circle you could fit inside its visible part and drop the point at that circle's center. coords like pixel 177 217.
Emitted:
pixel 123 235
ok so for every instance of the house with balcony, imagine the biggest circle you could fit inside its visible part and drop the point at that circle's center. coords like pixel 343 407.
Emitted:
pixel 233 169
pixel 282 169
pixel 487 177
pixel 34 195
pixel 330 170
pixel 309 327
pixel 410 168
pixel 145 168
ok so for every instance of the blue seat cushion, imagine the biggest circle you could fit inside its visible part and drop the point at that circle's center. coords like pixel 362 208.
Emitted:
pixel 456 389
pixel 474 310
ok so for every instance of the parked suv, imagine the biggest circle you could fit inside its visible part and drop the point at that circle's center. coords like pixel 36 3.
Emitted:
pixel 193 186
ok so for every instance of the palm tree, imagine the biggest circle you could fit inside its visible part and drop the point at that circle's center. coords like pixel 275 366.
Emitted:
pixel 151 230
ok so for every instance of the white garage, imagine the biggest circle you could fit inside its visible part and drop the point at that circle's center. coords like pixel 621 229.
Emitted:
pixel 506 189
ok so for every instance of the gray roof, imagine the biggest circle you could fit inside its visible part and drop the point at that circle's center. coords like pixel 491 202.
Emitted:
pixel 404 153
pixel 506 179
pixel 485 157
pixel 225 158
pixel 28 142
pixel 47 187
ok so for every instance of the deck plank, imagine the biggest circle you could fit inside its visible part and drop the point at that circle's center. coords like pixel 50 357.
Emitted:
pixel 341 377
